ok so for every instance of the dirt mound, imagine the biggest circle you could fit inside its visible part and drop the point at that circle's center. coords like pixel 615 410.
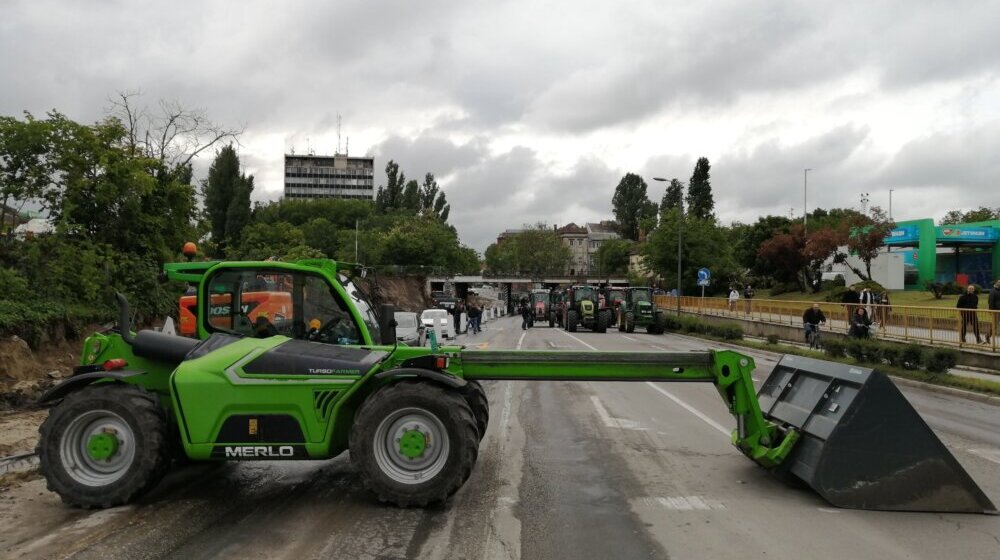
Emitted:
pixel 25 374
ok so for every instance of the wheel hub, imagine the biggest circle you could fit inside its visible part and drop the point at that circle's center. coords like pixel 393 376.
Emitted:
pixel 412 443
pixel 102 446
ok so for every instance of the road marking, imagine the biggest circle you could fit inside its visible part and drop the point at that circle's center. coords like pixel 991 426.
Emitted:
pixel 682 503
pixel 989 454
pixel 521 340
pixel 829 510
pixel 629 338
pixel 691 409
pixel 658 347
pixel 578 340
pixel 610 421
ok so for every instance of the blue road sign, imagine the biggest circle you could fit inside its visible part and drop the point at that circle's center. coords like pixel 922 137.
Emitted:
pixel 704 277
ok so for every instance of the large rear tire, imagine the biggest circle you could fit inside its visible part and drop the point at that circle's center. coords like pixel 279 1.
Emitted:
pixel 475 395
pixel 658 325
pixel 621 322
pixel 571 320
pixel 414 443
pixel 601 322
pixel 104 445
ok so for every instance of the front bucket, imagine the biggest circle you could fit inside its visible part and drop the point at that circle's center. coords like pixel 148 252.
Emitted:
pixel 862 445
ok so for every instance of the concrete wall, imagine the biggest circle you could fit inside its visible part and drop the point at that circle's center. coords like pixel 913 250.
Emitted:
pixel 887 269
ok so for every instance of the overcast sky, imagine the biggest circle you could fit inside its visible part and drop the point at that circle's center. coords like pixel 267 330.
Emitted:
pixel 533 110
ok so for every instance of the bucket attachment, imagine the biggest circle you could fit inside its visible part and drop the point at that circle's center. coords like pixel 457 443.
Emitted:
pixel 862 445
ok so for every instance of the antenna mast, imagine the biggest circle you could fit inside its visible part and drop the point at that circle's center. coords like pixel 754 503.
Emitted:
pixel 338 133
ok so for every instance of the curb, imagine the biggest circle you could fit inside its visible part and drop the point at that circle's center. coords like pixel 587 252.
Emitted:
pixel 18 463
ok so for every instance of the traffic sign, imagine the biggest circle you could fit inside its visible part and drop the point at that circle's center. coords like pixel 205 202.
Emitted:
pixel 704 277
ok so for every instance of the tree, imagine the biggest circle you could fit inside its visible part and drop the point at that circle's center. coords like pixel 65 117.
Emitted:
pixel 411 197
pixel 791 256
pixel 612 256
pixel 24 165
pixel 981 214
pixel 699 196
pixel 536 251
pixel 868 237
pixel 704 245
pixel 674 195
pixel 265 241
pixel 227 198
pixel 390 196
pixel 631 205
pixel 752 236
pixel 173 135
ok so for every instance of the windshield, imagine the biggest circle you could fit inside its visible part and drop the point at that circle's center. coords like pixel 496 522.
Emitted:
pixel 616 295
pixel 406 321
pixel 540 296
pixel 641 295
pixel 585 292
pixel 364 308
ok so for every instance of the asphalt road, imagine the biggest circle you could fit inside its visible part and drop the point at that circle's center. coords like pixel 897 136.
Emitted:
pixel 566 470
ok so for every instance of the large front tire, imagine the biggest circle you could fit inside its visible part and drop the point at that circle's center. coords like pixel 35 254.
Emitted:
pixel 601 322
pixel 630 322
pixel 571 320
pixel 104 446
pixel 414 443
pixel 475 395
pixel 658 326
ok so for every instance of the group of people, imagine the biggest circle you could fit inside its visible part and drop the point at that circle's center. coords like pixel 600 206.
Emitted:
pixel 474 317
pixel 968 303
pixel 734 298
pixel 876 306
pixel 859 322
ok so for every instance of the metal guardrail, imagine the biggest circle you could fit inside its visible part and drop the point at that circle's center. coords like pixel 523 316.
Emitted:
pixel 924 325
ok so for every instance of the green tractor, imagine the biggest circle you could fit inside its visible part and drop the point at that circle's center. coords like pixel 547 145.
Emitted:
pixel 638 309
pixel 581 307
pixel 327 376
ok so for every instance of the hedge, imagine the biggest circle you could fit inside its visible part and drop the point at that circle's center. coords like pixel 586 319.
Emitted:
pixel 39 321
pixel 688 324
pixel 909 356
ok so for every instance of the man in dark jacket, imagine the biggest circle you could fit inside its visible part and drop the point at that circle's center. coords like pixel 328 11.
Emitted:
pixel 968 303
pixel 994 305
pixel 850 300
pixel 812 318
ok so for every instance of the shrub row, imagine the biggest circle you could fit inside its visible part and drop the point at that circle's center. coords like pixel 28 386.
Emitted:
pixel 909 356
pixel 688 324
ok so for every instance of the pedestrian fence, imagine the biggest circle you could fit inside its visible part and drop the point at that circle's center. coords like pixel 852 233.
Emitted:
pixel 926 325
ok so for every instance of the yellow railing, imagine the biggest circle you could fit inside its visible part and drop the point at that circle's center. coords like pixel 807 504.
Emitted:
pixel 926 325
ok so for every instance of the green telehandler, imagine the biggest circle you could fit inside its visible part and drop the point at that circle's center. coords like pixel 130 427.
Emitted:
pixel 327 376
pixel 638 309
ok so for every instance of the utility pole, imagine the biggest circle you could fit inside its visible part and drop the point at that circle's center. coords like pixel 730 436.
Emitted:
pixel 805 200
pixel 890 204
pixel 864 203
pixel 355 240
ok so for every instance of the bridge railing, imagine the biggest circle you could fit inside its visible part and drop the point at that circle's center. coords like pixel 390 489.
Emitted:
pixel 925 325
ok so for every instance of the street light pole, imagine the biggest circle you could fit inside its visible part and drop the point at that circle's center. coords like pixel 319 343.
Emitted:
pixel 805 200
pixel 890 204
pixel 680 237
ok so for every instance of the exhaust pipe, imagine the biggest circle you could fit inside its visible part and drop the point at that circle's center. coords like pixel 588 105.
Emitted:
pixel 124 319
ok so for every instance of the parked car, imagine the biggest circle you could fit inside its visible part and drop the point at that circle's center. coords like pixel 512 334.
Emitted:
pixel 409 328
pixel 429 316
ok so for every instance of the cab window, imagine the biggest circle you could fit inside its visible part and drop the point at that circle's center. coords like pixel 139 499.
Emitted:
pixel 262 303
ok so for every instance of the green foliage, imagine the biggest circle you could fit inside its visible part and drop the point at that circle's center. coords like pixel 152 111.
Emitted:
pixel 673 197
pixel 704 244
pixel 751 236
pixel 631 206
pixel 612 256
pixel 940 360
pixel 981 214
pixel 265 241
pixel 227 199
pixel 834 347
pixel 15 285
pixel 772 339
pixel 700 203
pixel 536 251
pixel 693 325
pixel 911 356
pixel 868 237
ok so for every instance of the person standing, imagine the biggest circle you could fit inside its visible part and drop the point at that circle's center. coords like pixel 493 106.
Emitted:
pixel 993 304
pixel 475 315
pixel 850 301
pixel 885 309
pixel 457 311
pixel 734 296
pixel 748 294
pixel 967 304
pixel 526 317
pixel 866 299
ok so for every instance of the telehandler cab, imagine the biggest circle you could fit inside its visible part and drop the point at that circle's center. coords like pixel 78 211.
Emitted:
pixel 329 377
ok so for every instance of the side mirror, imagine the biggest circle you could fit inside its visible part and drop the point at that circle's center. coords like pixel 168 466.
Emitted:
pixel 387 324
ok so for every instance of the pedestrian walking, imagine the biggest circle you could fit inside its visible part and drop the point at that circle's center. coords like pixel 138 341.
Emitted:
pixel 967 305
pixel 734 296
pixel 993 304
pixel 748 294
pixel 475 316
